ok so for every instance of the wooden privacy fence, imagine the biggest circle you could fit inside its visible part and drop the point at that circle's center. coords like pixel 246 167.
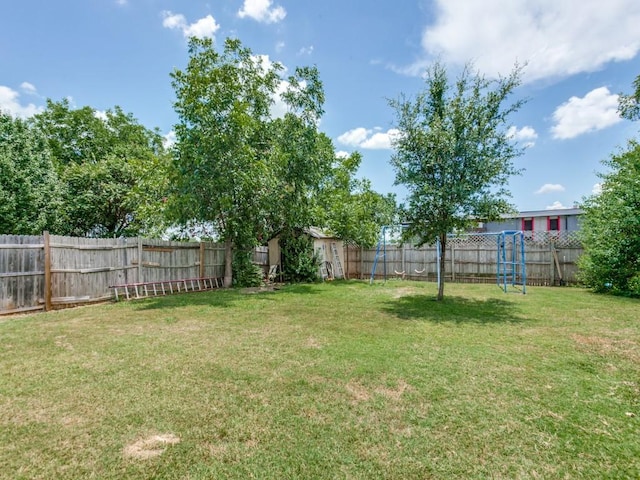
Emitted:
pixel 48 271
pixel 550 260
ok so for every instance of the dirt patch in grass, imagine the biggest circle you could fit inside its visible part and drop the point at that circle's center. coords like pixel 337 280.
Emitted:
pixel 404 292
pixel 359 393
pixel 313 342
pixel 394 393
pixel 150 447
pixel 609 346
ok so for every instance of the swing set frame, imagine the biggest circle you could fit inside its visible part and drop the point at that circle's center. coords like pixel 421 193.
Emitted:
pixel 511 270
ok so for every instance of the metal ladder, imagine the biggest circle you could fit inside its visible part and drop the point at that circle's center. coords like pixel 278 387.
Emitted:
pixel 339 273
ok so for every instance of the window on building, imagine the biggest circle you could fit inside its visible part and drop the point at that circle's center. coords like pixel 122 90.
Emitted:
pixel 553 224
pixel 527 224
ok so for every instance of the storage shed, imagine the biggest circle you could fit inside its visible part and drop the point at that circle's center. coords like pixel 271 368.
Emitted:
pixel 329 248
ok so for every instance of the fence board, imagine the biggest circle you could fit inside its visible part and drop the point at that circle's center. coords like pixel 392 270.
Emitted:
pixel 21 273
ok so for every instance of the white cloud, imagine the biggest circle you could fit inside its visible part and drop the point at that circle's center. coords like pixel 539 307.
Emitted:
pixel 205 27
pixel 527 135
pixel 306 50
pixel 280 46
pixel 202 28
pixel 554 39
pixel 261 11
pixel 342 154
pixel 597 189
pixel 598 109
pixel 549 188
pixel 10 103
pixel 279 108
pixel 101 114
pixel 29 88
pixel 173 20
pixel 169 139
pixel 369 139
pixel 353 138
pixel 381 140
pixel 556 206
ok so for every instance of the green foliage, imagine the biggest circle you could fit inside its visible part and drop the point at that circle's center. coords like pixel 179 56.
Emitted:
pixel 299 262
pixel 349 206
pixel 112 169
pixel 245 272
pixel 29 187
pixel 250 175
pixel 610 228
pixel 629 105
pixel 220 173
pixel 453 153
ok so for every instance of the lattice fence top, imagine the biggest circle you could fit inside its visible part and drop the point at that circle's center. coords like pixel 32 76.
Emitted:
pixel 562 239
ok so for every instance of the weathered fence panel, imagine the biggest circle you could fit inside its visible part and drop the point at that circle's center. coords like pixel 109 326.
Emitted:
pixel 49 271
pixel 43 272
pixel 82 269
pixel 551 259
pixel 21 273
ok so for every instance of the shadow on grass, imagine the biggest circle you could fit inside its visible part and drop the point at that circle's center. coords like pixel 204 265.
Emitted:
pixel 453 309
pixel 305 288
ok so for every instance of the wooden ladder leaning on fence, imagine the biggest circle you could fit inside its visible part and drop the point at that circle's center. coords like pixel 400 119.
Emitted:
pixel 132 291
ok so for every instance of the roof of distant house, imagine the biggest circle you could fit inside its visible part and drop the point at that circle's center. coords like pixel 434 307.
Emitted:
pixel 545 213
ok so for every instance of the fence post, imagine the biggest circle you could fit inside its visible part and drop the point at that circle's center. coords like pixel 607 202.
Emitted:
pixel 202 255
pixel 552 270
pixel 47 271
pixel 140 279
pixel 453 263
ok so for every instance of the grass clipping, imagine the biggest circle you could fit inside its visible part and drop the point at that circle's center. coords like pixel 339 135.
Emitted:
pixel 150 447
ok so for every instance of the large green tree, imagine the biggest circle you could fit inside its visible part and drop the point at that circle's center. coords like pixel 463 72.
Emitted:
pixel 350 208
pixel 221 175
pixel 453 153
pixel 29 187
pixel 610 229
pixel 300 157
pixel 111 168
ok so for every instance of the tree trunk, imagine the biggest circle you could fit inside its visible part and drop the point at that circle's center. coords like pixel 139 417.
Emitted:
pixel 228 259
pixel 443 254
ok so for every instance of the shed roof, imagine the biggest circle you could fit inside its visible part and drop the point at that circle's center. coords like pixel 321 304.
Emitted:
pixel 317 232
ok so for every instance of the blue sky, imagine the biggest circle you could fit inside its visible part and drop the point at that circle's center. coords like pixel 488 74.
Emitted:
pixel 580 55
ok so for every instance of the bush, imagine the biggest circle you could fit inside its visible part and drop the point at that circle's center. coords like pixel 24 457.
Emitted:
pixel 299 262
pixel 609 229
pixel 245 272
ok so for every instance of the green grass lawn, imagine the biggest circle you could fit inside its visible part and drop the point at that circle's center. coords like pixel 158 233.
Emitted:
pixel 337 380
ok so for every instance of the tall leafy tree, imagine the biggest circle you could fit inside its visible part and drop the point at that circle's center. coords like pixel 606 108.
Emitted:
pixel 453 153
pixel 221 175
pixel 301 157
pixel 111 168
pixel 350 208
pixel 29 187
pixel 610 229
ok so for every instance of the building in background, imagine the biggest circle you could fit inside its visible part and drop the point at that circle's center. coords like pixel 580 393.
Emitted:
pixel 559 220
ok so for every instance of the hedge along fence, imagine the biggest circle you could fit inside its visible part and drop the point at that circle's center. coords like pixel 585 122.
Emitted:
pixel 550 260
pixel 48 271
